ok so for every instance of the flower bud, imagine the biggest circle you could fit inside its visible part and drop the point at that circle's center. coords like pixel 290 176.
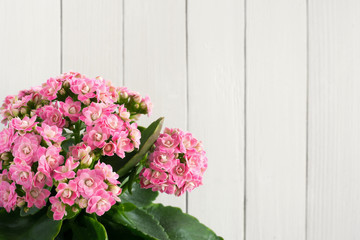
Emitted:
pixel 62 91
pixel 5 156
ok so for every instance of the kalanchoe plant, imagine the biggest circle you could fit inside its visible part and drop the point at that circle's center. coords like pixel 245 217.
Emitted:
pixel 74 164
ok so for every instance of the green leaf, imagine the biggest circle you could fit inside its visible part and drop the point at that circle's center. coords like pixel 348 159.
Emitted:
pixel 148 137
pixel 28 211
pixel 137 221
pixel 179 225
pixel 139 196
pixel 31 227
pixel 87 228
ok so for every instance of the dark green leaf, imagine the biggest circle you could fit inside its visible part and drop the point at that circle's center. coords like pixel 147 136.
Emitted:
pixel 28 211
pixel 137 221
pixel 139 197
pixel 148 137
pixel 87 228
pixel 32 227
pixel 179 225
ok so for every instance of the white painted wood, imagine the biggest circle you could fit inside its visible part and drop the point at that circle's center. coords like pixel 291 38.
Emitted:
pixel 334 116
pixel 29 44
pixel 216 93
pixel 276 120
pixel 155 62
pixel 92 38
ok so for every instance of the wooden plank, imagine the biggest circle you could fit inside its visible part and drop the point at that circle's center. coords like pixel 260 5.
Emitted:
pixel 334 116
pixel 92 38
pixel 29 44
pixel 216 111
pixel 155 62
pixel 276 119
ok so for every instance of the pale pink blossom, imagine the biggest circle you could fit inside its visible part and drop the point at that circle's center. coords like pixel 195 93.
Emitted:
pixel 109 149
pixel 124 113
pixel 50 88
pixel 6 139
pixel 67 192
pixel 21 174
pixel 90 181
pixel 113 122
pixel 84 88
pixel 163 159
pixel 108 172
pixel 96 136
pixel 24 125
pixel 50 133
pixel 100 202
pixel 26 146
pixel 51 116
pixel 135 135
pixel 8 196
pixel 41 178
pixel 36 196
pixel 71 109
pixel 179 174
pixel 66 171
pixel 93 113
pixel 123 143
pixel 50 157
pixel 58 208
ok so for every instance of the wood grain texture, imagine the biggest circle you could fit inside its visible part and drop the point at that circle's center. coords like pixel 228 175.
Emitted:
pixel 216 111
pixel 92 38
pixel 155 62
pixel 276 120
pixel 334 116
pixel 29 44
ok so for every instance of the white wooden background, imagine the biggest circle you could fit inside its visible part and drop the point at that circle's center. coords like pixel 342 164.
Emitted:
pixel 271 87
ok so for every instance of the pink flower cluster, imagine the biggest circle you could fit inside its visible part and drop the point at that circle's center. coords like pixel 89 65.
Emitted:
pixel 91 116
pixel 176 165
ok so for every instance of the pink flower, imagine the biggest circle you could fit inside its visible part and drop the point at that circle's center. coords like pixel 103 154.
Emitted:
pixel 51 116
pixel 135 135
pixel 85 88
pixel 24 125
pixel 50 88
pixel 71 109
pixel 148 105
pixel 100 203
pixel 81 152
pixel 123 143
pixel 96 136
pixel 124 113
pixel 154 176
pixel 109 149
pixel 167 141
pixel 92 113
pixel 66 171
pixel 8 196
pixel 50 158
pixel 113 123
pixel 188 141
pixel 108 172
pixel 21 174
pixel 163 159
pixel 40 179
pixel 50 133
pixel 90 181
pixel 58 208
pixel 6 139
pixel 67 192
pixel 179 174
pixel 25 147
pixel 36 196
